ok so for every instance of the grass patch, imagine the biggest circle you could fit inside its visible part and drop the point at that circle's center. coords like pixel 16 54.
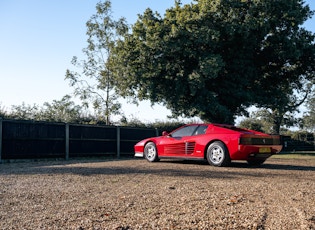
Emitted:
pixel 295 155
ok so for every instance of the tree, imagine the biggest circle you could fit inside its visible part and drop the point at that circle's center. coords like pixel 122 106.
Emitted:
pixel 63 110
pixel 280 111
pixel 253 124
pixel 3 112
pixel 95 83
pixel 24 112
pixel 309 116
pixel 213 59
pixel 285 64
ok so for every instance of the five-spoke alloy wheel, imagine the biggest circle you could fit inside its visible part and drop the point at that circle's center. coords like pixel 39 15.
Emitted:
pixel 150 152
pixel 217 154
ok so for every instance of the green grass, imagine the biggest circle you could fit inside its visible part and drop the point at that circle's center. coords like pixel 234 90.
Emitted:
pixel 295 155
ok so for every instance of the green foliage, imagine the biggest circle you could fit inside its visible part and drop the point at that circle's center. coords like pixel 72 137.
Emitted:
pixel 25 112
pixel 264 120
pixel 213 59
pixel 133 122
pixel 159 125
pixel 309 116
pixel 95 85
pixel 167 126
pixel 64 110
pixel 303 136
pixel 253 124
pixel 3 112
pixel 58 111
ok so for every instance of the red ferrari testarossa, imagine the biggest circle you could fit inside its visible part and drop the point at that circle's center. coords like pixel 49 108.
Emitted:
pixel 219 144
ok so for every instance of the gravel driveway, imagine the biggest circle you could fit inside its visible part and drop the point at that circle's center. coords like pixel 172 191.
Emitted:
pixel 135 194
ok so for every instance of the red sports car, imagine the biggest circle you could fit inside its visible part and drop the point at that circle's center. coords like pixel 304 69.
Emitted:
pixel 217 143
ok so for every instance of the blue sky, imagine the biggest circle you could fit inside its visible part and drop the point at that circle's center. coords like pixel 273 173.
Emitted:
pixel 39 39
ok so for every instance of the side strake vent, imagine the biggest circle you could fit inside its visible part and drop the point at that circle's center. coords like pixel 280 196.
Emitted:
pixel 271 140
pixel 190 147
pixel 180 148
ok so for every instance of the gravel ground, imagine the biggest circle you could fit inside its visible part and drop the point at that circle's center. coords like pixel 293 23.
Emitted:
pixel 135 194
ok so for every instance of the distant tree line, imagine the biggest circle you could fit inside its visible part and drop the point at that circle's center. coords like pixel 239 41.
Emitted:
pixel 65 110
pixel 262 119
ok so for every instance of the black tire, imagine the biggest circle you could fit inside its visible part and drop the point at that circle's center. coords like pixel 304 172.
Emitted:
pixel 150 152
pixel 256 162
pixel 218 155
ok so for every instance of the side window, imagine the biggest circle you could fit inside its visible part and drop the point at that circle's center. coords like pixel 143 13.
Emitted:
pixel 185 131
pixel 201 130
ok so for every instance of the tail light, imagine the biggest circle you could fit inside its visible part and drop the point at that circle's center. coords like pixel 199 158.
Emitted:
pixel 259 140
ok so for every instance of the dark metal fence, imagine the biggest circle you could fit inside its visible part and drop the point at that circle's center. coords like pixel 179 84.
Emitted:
pixel 294 145
pixel 31 139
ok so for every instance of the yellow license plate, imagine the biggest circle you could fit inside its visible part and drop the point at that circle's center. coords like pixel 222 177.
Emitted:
pixel 265 150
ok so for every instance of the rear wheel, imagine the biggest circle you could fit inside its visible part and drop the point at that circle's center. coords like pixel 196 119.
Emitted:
pixel 150 152
pixel 217 154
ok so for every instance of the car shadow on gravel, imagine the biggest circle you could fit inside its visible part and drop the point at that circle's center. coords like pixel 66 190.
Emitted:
pixel 159 168
pixel 287 167
pixel 174 168
pixel 242 164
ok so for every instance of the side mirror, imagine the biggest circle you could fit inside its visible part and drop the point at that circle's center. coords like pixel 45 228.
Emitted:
pixel 164 133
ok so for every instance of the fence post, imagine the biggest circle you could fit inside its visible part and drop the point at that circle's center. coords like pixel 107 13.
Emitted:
pixel 67 142
pixel 0 140
pixel 118 141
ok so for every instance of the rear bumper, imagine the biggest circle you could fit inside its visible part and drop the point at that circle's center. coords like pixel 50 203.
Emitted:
pixel 246 152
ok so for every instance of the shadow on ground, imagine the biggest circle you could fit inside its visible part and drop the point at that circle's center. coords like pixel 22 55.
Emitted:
pixel 170 168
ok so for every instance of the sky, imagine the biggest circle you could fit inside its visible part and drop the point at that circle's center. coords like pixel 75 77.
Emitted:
pixel 39 38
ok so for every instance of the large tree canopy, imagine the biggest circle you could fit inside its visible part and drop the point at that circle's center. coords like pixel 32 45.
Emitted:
pixel 213 59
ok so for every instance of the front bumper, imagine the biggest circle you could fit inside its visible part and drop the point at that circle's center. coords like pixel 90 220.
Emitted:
pixel 138 154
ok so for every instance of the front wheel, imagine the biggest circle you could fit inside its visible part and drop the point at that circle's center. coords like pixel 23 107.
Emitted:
pixel 150 152
pixel 217 154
